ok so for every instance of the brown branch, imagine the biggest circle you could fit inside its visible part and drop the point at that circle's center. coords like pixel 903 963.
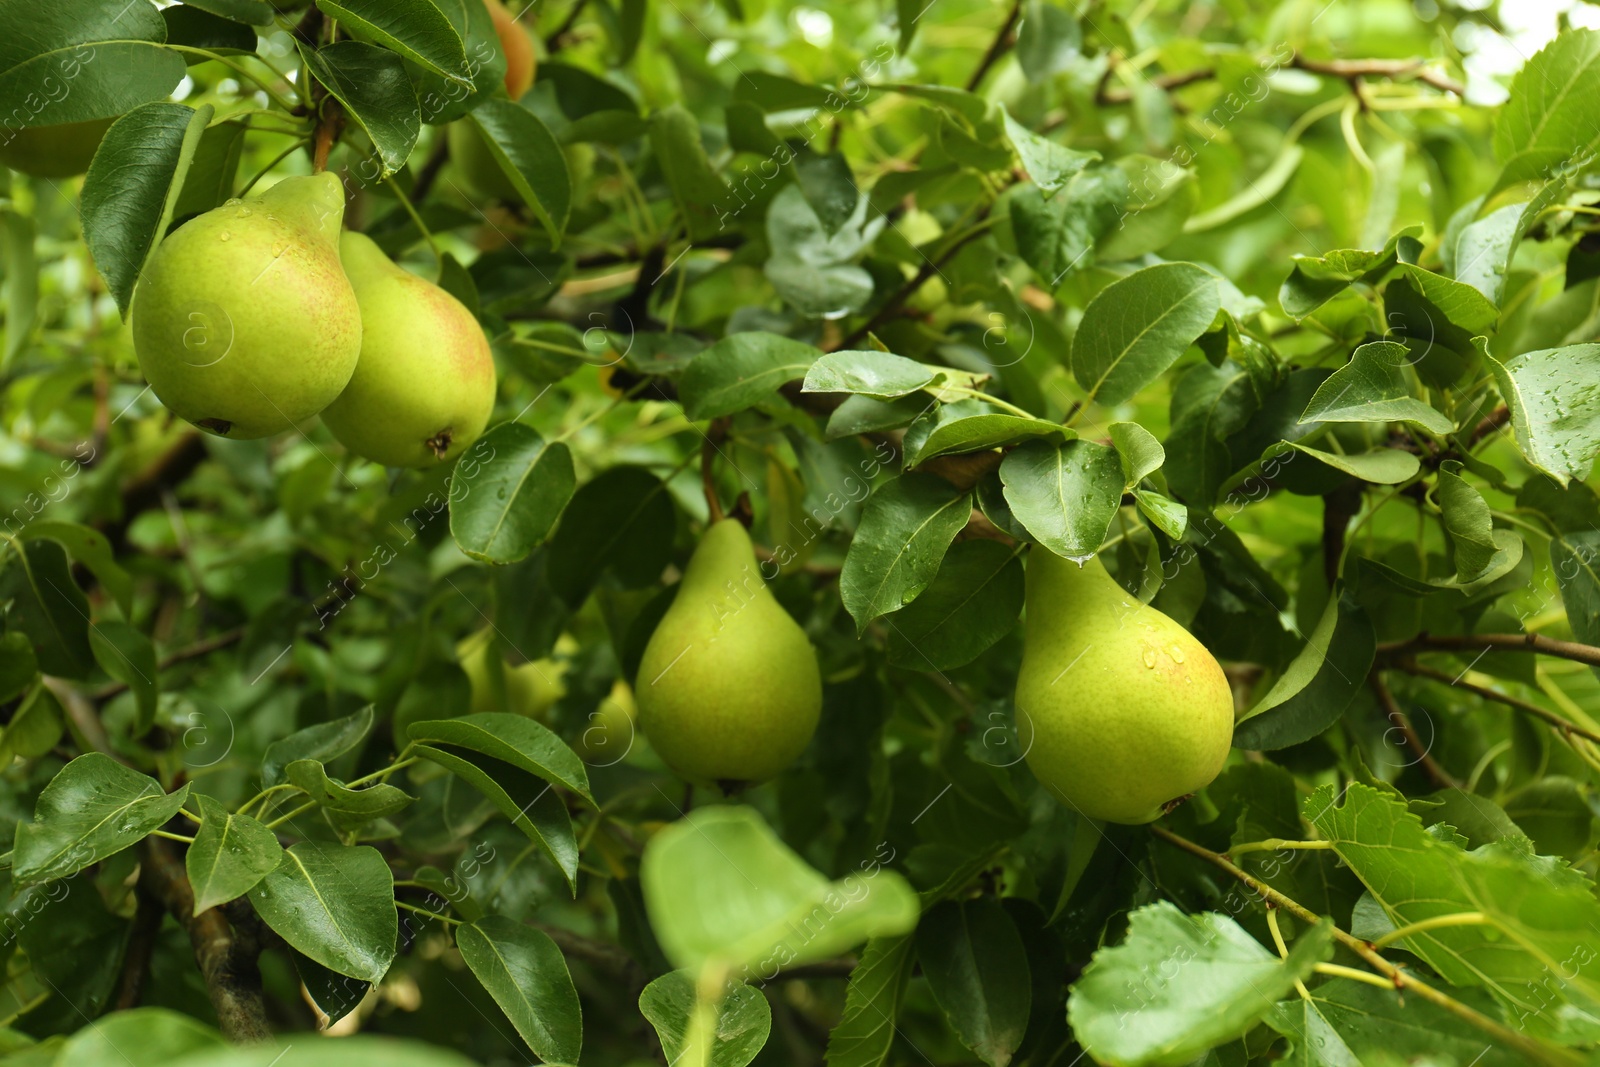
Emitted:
pixel 1338 508
pixel 1403 980
pixel 1563 725
pixel 1547 646
pixel 182 655
pixel 708 468
pixel 1002 43
pixel 226 954
pixel 929 268
pixel 141 945
pixel 1351 70
pixel 1165 82
pixel 330 124
pixel 1391 708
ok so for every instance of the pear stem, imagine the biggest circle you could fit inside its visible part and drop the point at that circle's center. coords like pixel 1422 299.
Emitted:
pixel 708 460
pixel 405 202
pixel 1397 978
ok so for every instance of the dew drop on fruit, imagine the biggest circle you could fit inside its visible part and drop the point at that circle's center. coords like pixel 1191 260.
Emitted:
pixel 224 236
pixel 244 213
pixel 232 200
pixel 1149 657
pixel 1176 653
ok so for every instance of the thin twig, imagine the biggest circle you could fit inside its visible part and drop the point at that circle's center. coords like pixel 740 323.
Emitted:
pixel 1430 766
pixel 929 268
pixel 1563 725
pixel 1003 40
pixel 1403 980
pixel 194 651
pixel 1547 646
pixel 1349 69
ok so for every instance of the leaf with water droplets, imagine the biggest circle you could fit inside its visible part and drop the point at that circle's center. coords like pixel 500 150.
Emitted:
pixel 1553 395
pixel 230 854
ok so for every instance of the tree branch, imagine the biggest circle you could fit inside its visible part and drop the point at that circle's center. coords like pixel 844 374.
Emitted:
pixel 1348 69
pixel 1563 725
pixel 929 268
pixel 1430 766
pixel 1547 646
pixel 1003 40
pixel 1402 980
pixel 227 956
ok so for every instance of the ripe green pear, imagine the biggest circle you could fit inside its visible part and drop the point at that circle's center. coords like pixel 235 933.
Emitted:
pixel 60 151
pixel 530 688
pixel 729 691
pixel 1120 709
pixel 425 386
pixel 244 321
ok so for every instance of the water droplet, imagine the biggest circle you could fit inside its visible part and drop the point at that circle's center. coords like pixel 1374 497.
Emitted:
pixel 1149 657
pixel 233 200
pixel 1176 653
pixel 224 236
pixel 1081 560
pixel 244 213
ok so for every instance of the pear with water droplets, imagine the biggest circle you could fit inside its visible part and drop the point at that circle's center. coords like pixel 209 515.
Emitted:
pixel 1121 710
pixel 424 388
pixel 244 321
pixel 728 691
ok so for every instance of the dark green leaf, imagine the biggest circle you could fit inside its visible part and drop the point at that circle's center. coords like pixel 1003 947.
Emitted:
pixel 1134 329
pixel 335 903
pixel 124 67
pixel 905 528
pixel 740 371
pixel 701 194
pixel 132 188
pixel 324 741
pixel 866 1032
pixel 976 967
pixel 129 657
pixel 188 25
pixel 94 808
pixel 1050 165
pixel 230 854
pixel 525 973
pixel 1374 387
pixel 47 605
pixel 375 89
pixel 876 374
pixel 1314 690
pixel 623 521
pixel 531 159
pixel 972 602
pixel 417 29
pixel 347 808
pixel 1065 495
pixel 510 501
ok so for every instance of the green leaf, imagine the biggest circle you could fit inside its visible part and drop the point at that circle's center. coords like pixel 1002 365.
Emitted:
pixel 1314 280
pixel 1051 166
pixel 972 426
pixel 701 194
pixel 129 657
pixel 93 808
pixel 1534 909
pixel 975 965
pixel 1317 686
pixel 21 282
pixel 525 973
pixel 973 601
pixel 1374 387
pixel 1164 513
pixel 1557 425
pixel 375 89
pixel 347 808
pixel 513 761
pixel 828 187
pixel 1548 121
pixel 1380 466
pixel 133 186
pixel 514 739
pixel 622 521
pixel 1554 813
pixel 1134 329
pixel 863 414
pixel 881 375
pixel 417 29
pixel 1481 252
pixel 1209 405
pixel 334 1052
pixel 740 371
pixel 18 665
pixel 507 504
pixel 1064 495
pixel 1048 41
pixel 743 1019
pixel 49 78
pixel 866 1031
pixel 1467 521
pixel 90 548
pixel 333 994
pixel 335 903
pixel 813 269
pixel 324 741
pixel 1575 561
pixel 1179 985
pixel 143 1037
pixel 906 526
pixel 774 92
pixel 249 12
pixel 212 170
pixel 1140 454
pixel 191 27
pixel 35 727
pixel 531 159
pixel 722 890
pixel 1057 235
pixel 230 854
pixel 47 605
pixel 1346 1024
